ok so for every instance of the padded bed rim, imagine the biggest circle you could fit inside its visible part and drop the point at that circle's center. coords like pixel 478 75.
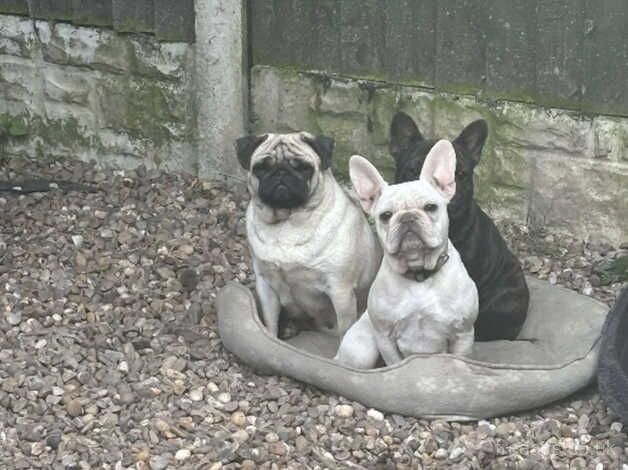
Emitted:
pixel 489 365
pixel 476 389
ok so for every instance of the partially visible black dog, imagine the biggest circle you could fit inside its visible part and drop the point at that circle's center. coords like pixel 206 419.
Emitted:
pixel 497 273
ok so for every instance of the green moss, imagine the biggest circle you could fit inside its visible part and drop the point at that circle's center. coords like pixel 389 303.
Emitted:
pixel 51 132
pixel 13 126
pixel 131 25
pixel 14 8
pixel 18 128
pixel 616 270
pixel 86 18
pixel 519 95
pixel 67 132
pixel 145 109
pixel 372 79
pixel 550 101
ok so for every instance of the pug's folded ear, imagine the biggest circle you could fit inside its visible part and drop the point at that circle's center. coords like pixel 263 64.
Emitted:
pixel 245 146
pixel 323 146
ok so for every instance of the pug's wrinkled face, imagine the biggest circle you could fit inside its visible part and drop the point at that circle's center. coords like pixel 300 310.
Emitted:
pixel 284 169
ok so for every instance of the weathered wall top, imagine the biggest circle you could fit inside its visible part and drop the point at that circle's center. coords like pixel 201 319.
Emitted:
pixel 562 53
pixel 167 20
pixel 74 84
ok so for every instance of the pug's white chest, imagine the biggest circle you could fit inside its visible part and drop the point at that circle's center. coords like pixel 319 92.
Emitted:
pixel 301 289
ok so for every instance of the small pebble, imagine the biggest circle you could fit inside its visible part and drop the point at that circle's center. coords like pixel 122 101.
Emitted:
pixel 54 439
pixel 238 418
pixel 182 455
pixel 224 397
pixel 196 394
pixel 37 448
pixel 74 407
pixel 375 414
pixel 616 426
pixel 278 448
pixel 160 462
pixel 240 436
pixel 77 240
pixel 344 411
pixel 456 453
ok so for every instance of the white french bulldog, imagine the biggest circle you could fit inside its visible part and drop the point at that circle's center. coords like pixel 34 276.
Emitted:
pixel 314 253
pixel 422 299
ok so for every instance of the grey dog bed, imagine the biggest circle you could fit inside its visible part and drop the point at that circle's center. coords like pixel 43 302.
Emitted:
pixel 555 356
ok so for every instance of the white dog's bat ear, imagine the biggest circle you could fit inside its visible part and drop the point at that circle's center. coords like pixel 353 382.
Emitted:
pixel 367 181
pixel 439 168
pixel 245 146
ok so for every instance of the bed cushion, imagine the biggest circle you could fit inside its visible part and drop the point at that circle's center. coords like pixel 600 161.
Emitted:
pixel 555 355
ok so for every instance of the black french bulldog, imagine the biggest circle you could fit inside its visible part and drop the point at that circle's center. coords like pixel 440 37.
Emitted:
pixel 497 273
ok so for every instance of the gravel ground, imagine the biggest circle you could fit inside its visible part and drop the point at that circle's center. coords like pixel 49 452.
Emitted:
pixel 109 355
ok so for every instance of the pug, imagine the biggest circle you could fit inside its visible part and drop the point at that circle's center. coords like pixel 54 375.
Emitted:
pixel 422 300
pixel 314 253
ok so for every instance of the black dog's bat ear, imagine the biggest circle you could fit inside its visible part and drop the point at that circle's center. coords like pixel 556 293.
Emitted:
pixel 323 146
pixel 472 139
pixel 402 131
pixel 245 146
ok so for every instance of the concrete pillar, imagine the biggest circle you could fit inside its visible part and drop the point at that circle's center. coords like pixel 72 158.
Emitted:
pixel 221 86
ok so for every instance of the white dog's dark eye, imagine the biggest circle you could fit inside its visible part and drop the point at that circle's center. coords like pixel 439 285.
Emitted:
pixel 385 216
pixel 430 207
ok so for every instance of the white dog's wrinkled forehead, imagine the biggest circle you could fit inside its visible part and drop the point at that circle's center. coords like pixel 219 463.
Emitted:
pixel 411 195
pixel 285 146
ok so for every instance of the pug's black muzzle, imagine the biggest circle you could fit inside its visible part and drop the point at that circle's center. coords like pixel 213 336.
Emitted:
pixel 283 187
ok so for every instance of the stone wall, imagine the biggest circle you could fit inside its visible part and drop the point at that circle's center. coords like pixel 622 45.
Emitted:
pixel 127 99
pixel 541 166
pixel 90 93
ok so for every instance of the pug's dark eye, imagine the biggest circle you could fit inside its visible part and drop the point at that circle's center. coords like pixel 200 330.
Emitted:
pixel 301 166
pixel 296 163
pixel 385 216
pixel 430 207
pixel 262 166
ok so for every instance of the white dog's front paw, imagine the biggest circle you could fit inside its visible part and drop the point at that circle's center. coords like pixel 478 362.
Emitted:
pixel 361 360
pixel 358 348
pixel 463 343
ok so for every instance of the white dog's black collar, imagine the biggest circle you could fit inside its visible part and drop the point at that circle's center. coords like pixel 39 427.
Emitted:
pixel 420 275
